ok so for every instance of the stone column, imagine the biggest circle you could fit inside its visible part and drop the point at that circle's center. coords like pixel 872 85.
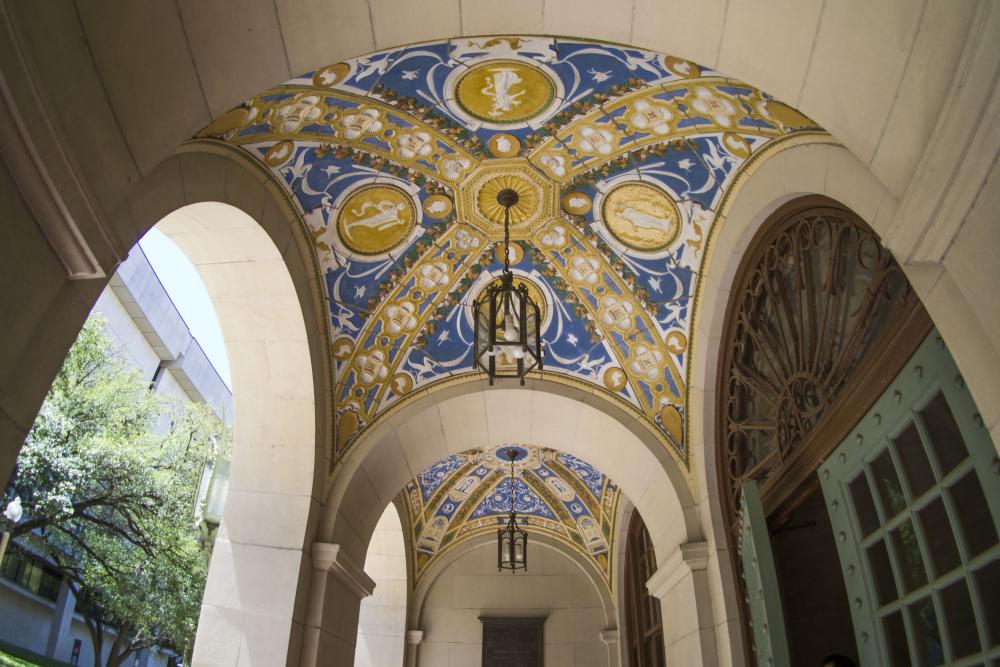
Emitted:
pixel 610 639
pixel 681 584
pixel 62 616
pixel 331 622
pixel 413 640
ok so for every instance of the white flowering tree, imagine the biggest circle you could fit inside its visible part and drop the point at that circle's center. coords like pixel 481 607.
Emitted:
pixel 109 498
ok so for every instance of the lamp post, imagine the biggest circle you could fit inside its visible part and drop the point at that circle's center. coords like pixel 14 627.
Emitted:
pixel 12 515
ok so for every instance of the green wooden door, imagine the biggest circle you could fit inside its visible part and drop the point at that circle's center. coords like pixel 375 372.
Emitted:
pixel 767 621
pixel 913 494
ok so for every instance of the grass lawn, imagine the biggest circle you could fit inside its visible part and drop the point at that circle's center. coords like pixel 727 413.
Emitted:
pixel 12 656
pixel 8 660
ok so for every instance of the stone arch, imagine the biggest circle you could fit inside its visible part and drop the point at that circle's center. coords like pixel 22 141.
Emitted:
pixel 790 172
pixel 259 279
pixel 382 623
pixel 452 418
pixel 427 580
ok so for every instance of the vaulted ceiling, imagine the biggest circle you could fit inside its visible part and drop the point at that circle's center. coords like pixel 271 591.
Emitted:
pixel 469 494
pixel 622 159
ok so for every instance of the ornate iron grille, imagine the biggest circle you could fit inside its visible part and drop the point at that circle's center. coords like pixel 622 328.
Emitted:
pixel 813 294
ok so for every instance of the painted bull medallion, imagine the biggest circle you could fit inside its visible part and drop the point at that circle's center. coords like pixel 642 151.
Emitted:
pixel 641 217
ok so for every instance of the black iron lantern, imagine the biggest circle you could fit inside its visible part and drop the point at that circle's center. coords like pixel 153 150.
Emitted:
pixel 507 340
pixel 512 542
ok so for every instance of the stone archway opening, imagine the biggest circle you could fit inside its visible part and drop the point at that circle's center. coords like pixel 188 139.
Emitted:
pixel 256 563
pixel 466 415
pixel 382 622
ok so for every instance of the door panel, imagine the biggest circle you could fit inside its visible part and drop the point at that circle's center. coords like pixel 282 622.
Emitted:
pixel 914 500
pixel 767 621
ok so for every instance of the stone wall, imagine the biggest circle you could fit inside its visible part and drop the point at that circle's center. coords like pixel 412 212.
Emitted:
pixel 554 587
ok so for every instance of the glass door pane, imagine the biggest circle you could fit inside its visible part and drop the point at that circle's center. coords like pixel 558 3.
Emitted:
pixel 915 507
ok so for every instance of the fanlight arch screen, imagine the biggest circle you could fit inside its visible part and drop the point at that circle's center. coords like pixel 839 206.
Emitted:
pixel 815 294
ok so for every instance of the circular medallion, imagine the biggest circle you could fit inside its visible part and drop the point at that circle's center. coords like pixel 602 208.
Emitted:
pixel 402 384
pixel 342 347
pixel 279 153
pixel 438 206
pixel 641 217
pixel 331 75
pixel 736 145
pixel 504 91
pixel 490 208
pixel 375 219
pixel 614 378
pixel 576 203
pixel 676 342
pixel 680 67
pixel 516 253
pixel 504 145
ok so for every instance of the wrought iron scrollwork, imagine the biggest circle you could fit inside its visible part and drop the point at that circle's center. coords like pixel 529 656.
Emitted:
pixel 813 294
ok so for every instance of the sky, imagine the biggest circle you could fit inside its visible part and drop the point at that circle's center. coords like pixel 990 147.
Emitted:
pixel 181 281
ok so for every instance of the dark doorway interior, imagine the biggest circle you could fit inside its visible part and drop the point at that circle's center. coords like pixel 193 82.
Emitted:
pixel 817 614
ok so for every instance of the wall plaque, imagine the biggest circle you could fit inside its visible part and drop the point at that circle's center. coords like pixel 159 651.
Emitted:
pixel 513 642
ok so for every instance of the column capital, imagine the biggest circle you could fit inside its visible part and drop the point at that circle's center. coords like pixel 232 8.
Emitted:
pixel 609 636
pixel 332 558
pixel 687 558
pixel 414 637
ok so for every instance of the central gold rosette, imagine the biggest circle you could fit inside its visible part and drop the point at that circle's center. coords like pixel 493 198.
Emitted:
pixel 477 203
pixel 527 199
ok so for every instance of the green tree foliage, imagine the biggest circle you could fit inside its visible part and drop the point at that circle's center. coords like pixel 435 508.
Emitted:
pixel 108 478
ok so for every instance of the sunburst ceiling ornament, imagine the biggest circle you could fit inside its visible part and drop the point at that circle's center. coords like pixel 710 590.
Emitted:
pixel 489 205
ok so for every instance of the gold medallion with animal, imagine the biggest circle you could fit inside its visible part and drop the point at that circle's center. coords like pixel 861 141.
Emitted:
pixel 375 219
pixel 504 91
pixel 641 216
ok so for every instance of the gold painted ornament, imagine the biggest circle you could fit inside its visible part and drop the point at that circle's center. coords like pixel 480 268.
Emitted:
pixel 736 145
pixel 680 67
pixel 504 91
pixel 342 347
pixel 279 154
pixel 577 203
pixel 375 219
pixel 491 209
pixel 438 206
pixel 504 145
pixel 515 251
pixel 614 378
pixel 331 75
pixel 402 384
pixel 641 216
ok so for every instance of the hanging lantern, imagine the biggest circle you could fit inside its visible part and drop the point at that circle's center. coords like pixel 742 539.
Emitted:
pixel 512 542
pixel 507 341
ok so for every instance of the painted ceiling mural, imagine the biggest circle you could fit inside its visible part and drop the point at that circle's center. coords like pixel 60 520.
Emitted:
pixel 621 158
pixel 468 494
